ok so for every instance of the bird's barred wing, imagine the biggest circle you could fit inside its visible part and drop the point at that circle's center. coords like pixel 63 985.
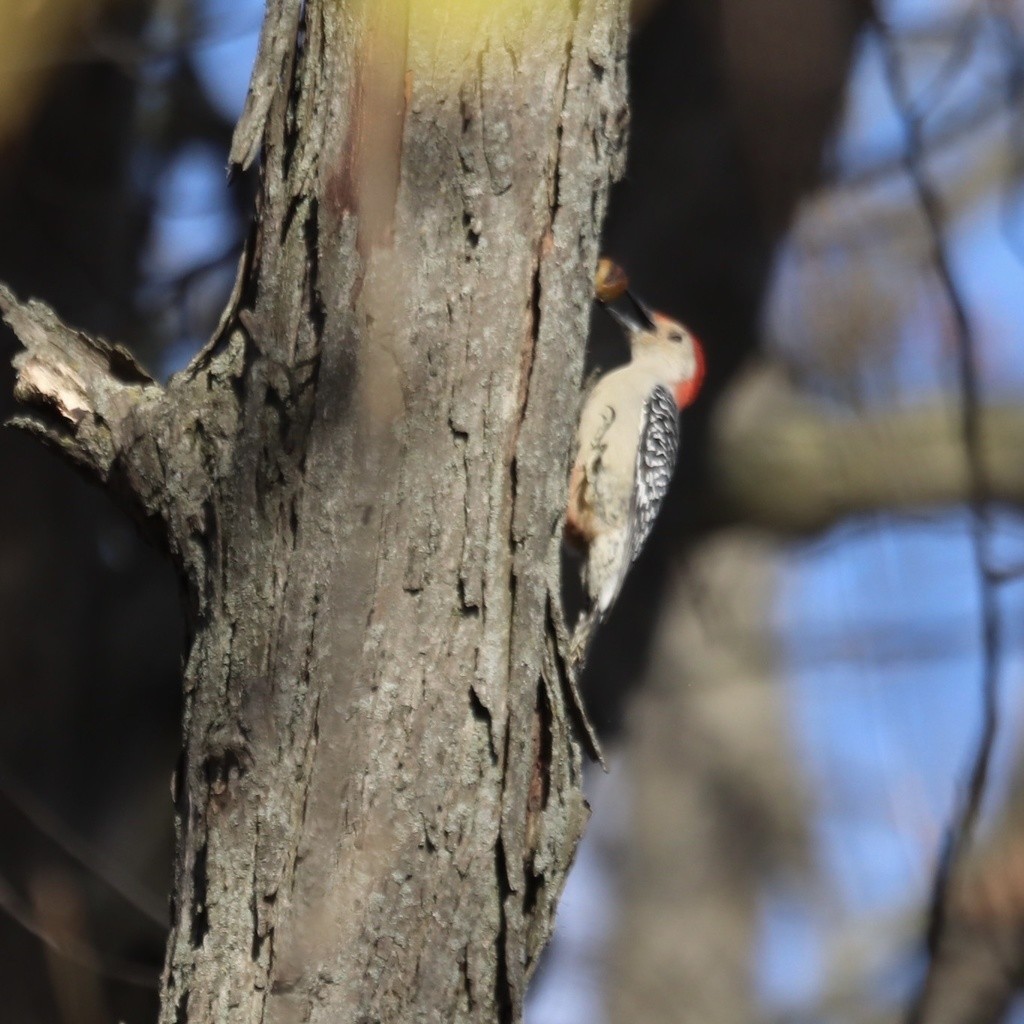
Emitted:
pixel 655 464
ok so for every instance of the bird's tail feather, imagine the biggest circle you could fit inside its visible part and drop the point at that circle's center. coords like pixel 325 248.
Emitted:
pixel 582 638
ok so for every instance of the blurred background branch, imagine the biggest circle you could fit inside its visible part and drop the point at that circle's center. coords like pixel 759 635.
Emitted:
pixel 794 463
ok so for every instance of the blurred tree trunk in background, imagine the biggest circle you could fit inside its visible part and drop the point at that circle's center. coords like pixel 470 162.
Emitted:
pixel 716 794
pixel 360 480
pixel 731 107
pixel 720 159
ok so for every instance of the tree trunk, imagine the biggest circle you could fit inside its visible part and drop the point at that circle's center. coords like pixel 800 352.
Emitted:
pixel 361 479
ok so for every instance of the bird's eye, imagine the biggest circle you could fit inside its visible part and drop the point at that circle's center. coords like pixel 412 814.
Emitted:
pixel 675 336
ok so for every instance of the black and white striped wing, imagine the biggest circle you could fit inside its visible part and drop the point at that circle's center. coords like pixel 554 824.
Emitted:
pixel 655 464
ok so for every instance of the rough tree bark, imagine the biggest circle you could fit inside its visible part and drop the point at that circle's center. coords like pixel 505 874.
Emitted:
pixel 360 479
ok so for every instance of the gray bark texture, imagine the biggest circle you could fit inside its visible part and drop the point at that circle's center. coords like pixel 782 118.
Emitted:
pixel 360 479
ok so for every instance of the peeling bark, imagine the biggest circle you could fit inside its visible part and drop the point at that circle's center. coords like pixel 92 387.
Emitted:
pixel 360 479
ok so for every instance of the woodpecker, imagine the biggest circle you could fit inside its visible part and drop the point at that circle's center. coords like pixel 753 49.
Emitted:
pixel 627 442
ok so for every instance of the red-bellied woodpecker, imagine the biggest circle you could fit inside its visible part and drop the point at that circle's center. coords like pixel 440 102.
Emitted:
pixel 627 443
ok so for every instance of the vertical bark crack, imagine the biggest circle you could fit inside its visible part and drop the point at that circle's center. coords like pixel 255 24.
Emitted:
pixel 504 998
pixel 199 913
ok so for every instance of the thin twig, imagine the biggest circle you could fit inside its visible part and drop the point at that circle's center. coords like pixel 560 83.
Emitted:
pixel 961 831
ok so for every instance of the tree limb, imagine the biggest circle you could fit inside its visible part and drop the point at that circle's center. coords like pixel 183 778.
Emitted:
pixel 87 398
pixel 792 463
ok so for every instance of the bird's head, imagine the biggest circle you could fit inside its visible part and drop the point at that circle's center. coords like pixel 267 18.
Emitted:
pixel 664 343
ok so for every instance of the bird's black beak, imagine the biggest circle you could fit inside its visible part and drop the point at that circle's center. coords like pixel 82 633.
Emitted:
pixel 631 313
